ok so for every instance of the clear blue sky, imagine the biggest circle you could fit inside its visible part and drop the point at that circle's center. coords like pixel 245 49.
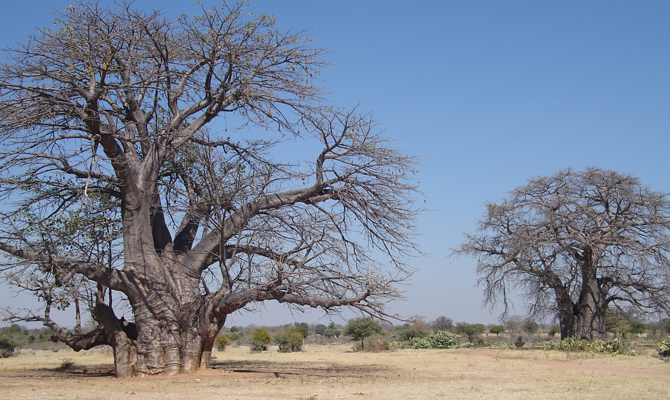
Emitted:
pixel 487 93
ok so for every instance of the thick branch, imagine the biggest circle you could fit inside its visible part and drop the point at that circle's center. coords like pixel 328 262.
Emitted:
pixel 108 277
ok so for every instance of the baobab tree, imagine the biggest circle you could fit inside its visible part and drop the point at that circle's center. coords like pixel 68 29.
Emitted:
pixel 574 244
pixel 117 179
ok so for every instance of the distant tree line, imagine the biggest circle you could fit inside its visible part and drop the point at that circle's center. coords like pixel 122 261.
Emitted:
pixel 415 332
pixel 288 338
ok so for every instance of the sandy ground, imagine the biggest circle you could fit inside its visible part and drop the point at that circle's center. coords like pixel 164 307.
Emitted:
pixel 334 372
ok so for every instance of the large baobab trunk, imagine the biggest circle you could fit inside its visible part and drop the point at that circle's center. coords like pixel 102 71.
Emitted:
pixel 592 304
pixel 566 317
pixel 176 327
pixel 171 345
pixel 590 311
pixel 125 355
pixel 566 309
pixel 586 317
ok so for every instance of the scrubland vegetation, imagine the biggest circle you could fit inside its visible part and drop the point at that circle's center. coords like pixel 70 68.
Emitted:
pixel 626 335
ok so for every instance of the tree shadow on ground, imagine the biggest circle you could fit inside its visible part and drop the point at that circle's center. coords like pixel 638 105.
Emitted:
pixel 301 368
pixel 97 371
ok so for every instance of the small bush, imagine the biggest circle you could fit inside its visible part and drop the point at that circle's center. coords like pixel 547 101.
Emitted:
pixel 531 327
pixel 664 347
pixel 612 346
pixel 439 340
pixel 303 328
pixel 282 342
pixel 257 347
pixel 290 340
pixel 66 364
pixel 576 344
pixel 376 343
pixel 360 328
pixel 320 329
pixel 260 338
pixel 7 347
pixel 503 346
pixel 519 342
pixel 443 340
pixel 419 343
pixel 221 342
pixel 471 331
pixel 331 333
pixel 637 327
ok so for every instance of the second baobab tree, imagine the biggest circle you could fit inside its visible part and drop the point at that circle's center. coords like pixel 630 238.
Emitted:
pixel 574 244
pixel 110 117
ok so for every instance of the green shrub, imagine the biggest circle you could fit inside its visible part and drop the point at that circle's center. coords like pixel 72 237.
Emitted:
pixel 303 328
pixel 7 347
pixel 553 330
pixel 331 333
pixel 576 344
pixel 221 342
pixel 13 329
pixel 664 325
pixel 360 328
pixel 612 346
pixel 260 338
pixel 664 347
pixel 497 329
pixel 503 346
pixel 376 343
pixel 282 341
pixel 637 327
pixel 471 331
pixel 320 329
pixel 519 342
pixel 290 340
pixel 419 343
pixel 443 340
pixel 439 340
pixel 530 326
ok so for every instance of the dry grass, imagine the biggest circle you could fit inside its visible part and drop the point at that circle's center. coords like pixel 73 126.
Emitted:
pixel 333 372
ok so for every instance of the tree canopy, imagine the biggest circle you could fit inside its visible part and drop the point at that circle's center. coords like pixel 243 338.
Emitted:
pixel 442 323
pixel 360 328
pixel 162 160
pixel 472 331
pixel 497 329
pixel 575 243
